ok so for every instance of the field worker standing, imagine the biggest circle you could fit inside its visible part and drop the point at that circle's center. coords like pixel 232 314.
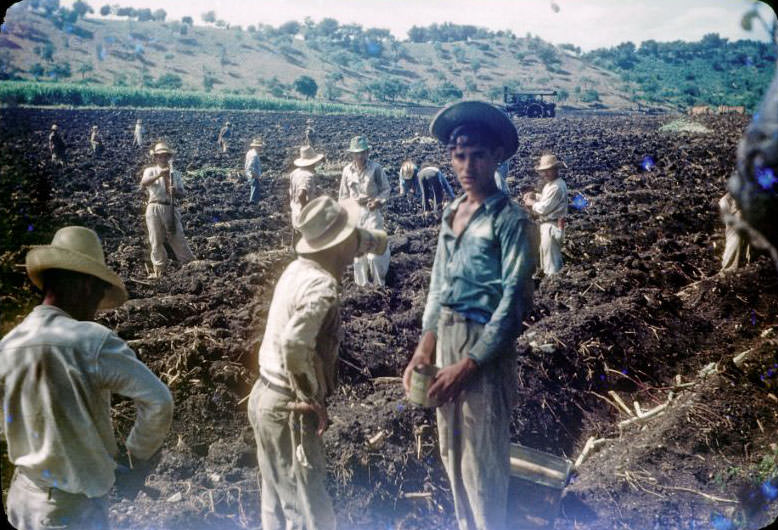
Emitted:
pixel 297 361
pixel 95 141
pixel 58 369
pixel 364 182
pixel 310 133
pixel 224 136
pixel 56 146
pixel 253 169
pixel 137 138
pixel 434 186
pixel 735 245
pixel 501 175
pixel 163 220
pixel 550 207
pixel 481 287
pixel 302 182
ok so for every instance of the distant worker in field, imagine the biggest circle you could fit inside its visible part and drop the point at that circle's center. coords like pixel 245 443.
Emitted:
pixel 59 369
pixel 364 182
pixel 310 133
pixel 164 186
pixel 95 141
pixel 225 133
pixel 429 184
pixel 736 247
pixel 57 146
pixel 550 208
pixel 137 138
pixel 253 168
pixel 409 179
pixel 302 182
pixel 480 291
pixel 297 364
pixel 501 176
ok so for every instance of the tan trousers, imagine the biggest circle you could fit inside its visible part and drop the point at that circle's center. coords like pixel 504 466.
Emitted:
pixel 371 266
pixel 292 466
pixel 474 429
pixel 734 247
pixel 157 221
pixel 551 238
pixel 34 506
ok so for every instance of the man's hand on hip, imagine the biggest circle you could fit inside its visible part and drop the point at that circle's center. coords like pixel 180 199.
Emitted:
pixel 451 380
pixel 315 408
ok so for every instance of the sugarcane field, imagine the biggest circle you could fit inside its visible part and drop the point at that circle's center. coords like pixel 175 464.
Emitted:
pixel 516 311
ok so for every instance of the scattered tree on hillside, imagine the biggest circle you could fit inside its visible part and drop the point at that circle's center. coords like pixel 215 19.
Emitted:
pixel 494 93
pixel 36 70
pixel 306 86
pixel 160 15
pixel 209 17
pixel 169 81
pixel 187 20
pixel 222 24
pixel 290 28
pixel 447 91
pixel 84 69
pixel 105 10
pixel 81 8
pixel 144 14
pixel 46 52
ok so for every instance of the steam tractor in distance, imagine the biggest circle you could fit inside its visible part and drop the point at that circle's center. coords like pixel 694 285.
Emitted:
pixel 529 104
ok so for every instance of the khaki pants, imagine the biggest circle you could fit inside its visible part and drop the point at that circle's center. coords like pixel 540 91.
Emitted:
pixel 34 506
pixel 157 221
pixel 734 247
pixel 474 429
pixel 293 480
pixel 371 266
pixel 551 238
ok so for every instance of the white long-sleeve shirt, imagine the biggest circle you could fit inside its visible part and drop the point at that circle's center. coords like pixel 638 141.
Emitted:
pixel 300 346
pixel 58 375
pixel 156 190
pixel 552 203
pixel 300 179
pixel 363 185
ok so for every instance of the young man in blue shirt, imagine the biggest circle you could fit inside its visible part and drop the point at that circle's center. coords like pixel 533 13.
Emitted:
pixel 481 287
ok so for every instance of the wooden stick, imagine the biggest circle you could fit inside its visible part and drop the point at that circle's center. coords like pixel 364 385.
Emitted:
pixel 518 464
pixel 638 410
pixel 387 380
pixel 243 400
pixel 623 406
pixel 584 452
pixel 740 358
pixel 648 415
pixel 418 495
pixel 706 495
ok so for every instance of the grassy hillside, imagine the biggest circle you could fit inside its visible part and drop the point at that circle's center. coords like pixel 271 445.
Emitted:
pixel 339 63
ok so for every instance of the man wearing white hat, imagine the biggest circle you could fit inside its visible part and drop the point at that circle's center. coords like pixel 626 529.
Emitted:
pixel 58 370
pixel 253 168
pixel 364 182
pixel 297 361
pixel 137 138
pixel 163 220
pixel 56 146
pixel 480 290
pixel 302 185
pixel 550 208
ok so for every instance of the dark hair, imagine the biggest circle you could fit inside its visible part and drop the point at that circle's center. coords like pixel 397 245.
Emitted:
pixel 61 281
pixel 469 134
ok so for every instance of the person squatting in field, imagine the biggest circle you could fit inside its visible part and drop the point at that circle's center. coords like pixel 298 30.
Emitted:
pixel 364 182
pixel 163 220
pixel 56 146
pixel 302 183
pixel 58 370
pixel 480 290
pixel 550 208
pixel 428 183
pixel 253 169
pixel 297 362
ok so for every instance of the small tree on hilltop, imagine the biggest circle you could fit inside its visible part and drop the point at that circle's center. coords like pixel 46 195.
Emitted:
pixel 187 20
pixel 160 15
pixel 290 28
pixel 209 17
pixel 105 10
pixel 306 86
pixel 84 69
pixel 81 8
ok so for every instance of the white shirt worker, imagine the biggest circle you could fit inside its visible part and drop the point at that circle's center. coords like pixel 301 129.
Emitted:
pixel 734 246
pixel 300 179
pixel 550 208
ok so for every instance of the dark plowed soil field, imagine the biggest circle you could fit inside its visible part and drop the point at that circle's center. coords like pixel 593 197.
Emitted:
pixel 639 310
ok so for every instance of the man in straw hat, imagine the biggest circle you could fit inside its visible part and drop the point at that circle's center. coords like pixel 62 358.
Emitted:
pixel 163 220
pixel 253 168
pixel 364 182
pixel 56 146
pixel 550 208
pixel 224 136
pixel 95 141
pixel 58 370
pixel 137 138
pixel 309 136
pixel 297 361
pixel 302 185
pixel 481 287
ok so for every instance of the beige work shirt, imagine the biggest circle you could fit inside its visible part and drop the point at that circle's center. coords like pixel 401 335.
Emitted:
pixel 363 185
pixel 300 346
pixel 156 190
pixel 552 203
pixel 58 375
pixel 300 179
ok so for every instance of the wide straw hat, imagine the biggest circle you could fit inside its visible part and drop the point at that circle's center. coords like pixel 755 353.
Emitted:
pixel 75 248
pixel 358 144
pixel 162 148
pixel 324 223
pixel 549 161
pixel 94 126
pixel 308 157
pixel 256 142
pixel 54 127
pixel 476 112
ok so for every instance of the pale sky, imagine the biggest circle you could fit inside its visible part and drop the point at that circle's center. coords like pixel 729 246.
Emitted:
pixel 586 23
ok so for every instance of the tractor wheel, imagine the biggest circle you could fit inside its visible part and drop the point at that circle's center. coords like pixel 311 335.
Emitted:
pixel 535 111
pixel 551 112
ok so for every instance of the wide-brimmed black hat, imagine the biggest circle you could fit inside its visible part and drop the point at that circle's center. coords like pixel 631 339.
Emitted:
pixel 480 113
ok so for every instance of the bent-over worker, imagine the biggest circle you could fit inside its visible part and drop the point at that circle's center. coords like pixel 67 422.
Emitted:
pixel 550 208
pixel 58 370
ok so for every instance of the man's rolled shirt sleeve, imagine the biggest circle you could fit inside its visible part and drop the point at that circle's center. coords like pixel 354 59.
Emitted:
pixel 518 264
pixel 550 200
pixel 122 373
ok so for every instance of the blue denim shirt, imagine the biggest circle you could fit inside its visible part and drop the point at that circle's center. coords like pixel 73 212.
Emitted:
pixel 485 274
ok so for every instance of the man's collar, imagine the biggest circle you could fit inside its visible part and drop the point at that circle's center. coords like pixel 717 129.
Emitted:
pixel 492 201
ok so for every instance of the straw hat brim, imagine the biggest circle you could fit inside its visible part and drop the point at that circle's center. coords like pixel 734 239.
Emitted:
pixel 41 258
pixel 256 144
pixel 352 218
pixel 558 163
pixel 350 150
pixel 305 162
pixel 456 114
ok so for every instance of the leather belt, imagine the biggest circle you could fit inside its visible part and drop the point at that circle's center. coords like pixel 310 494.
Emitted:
pixel 277 388
pixel 166 203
